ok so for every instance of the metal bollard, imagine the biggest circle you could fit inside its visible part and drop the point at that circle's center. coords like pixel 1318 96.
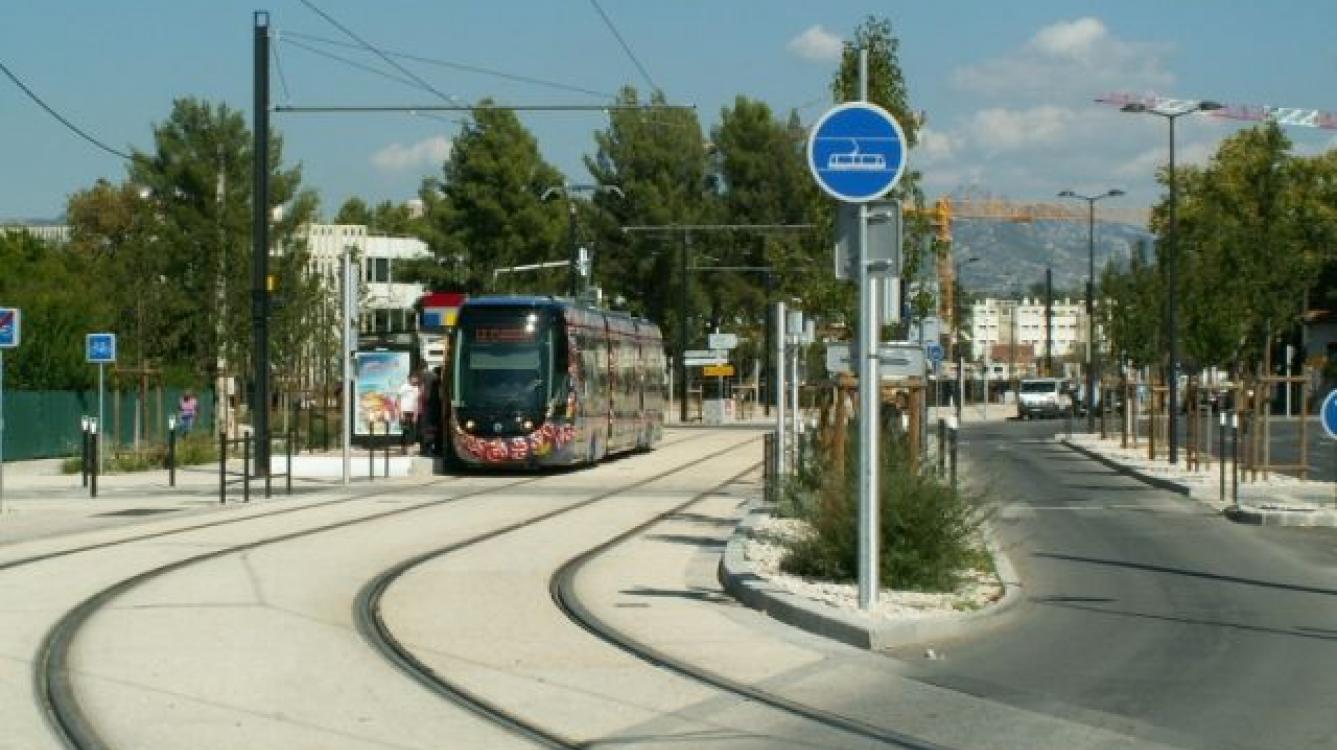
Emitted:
pixel 387 449
pixel 83 452
pixel 287 476
pixel 246 468
pixel 371 450
pixel 954 438
pixel 222 468
pixel 93 462
pixel 1235 460
pixel 268 470
pixel 171 451
pixel 1221 454
pixel 942 446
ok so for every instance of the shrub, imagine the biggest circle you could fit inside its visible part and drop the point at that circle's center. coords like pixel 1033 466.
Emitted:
pixel 927 529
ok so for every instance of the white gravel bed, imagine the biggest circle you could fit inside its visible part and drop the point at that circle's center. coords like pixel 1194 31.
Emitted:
pixel 1277 487
pixel 764 550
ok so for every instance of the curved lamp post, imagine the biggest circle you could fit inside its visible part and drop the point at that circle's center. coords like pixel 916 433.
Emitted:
pixel 1171 322
pixel 1090 298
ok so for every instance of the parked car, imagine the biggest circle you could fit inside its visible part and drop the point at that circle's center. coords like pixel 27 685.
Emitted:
pixel 1043 397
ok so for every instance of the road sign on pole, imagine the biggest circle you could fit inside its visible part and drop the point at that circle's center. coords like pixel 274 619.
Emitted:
pixel 856 153
pixel 100 348
pixel 1328 414
pixel 934 351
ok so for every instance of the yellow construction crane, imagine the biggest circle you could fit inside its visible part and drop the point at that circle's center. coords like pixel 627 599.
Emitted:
pixel 945 210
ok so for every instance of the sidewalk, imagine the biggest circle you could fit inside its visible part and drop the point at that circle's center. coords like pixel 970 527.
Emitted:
pixel 1278 500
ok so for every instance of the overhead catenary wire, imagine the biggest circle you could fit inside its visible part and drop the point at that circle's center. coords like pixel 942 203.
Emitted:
pixel 465 67
pixel 59 117
pixel 347 61
pixel 625 47
pixel 376 51
pixel 283 79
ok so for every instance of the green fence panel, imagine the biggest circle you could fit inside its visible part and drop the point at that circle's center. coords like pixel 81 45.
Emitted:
pixel 47 424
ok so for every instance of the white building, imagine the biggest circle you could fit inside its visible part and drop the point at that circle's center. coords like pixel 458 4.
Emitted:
pixel 385 304
pixel 56 234
pixel 1005 323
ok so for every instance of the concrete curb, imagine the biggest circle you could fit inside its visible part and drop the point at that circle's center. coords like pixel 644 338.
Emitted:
pixel 1243 513
pixel 1158 482
pixel 742 581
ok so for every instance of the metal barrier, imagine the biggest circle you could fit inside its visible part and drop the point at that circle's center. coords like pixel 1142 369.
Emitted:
pixel 245 477
pixel 768 467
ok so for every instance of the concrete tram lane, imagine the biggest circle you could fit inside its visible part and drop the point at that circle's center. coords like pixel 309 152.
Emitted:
pixel 1146 611
pixel 259 648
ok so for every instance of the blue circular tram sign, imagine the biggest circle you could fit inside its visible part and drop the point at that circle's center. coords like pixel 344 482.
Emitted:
pixel 1328 414
pixel 856 152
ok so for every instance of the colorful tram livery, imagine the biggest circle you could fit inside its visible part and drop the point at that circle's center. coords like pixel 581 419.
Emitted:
pixel 539 381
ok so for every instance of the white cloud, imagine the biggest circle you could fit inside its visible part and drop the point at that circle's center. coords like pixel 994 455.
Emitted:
pixel 1070 59
pixel 397 157
pixel 1146 163
pixel 997 129
pixel 935 146
pixel 816 44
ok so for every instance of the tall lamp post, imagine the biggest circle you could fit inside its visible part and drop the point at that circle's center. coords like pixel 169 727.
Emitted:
pixel 1172 250
pixel 956 335
pixel 1090 298
pixel 580 275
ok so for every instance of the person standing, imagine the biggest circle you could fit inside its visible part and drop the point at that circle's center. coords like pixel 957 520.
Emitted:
pixel 408 408
pixel 186 411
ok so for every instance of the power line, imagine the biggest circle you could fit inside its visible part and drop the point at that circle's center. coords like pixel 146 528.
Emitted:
pixel 417 108
pixel 58 116
pixel 368 46
pixel 347 61
pixel 625 47
pixel 278 66
pixel 467 68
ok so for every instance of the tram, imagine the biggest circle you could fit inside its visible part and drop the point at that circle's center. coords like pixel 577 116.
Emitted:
pixel 542 381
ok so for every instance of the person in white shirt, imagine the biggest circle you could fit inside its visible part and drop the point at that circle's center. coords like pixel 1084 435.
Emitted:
pixel 408 408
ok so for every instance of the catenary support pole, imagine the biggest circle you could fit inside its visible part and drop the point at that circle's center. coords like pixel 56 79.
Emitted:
pixel 346 327
pixel 260 246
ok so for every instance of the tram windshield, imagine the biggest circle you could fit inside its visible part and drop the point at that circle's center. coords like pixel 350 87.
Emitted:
pixel 506 360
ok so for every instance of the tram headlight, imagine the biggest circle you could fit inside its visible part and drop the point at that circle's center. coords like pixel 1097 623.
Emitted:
pixel 529 425
pixel 469 424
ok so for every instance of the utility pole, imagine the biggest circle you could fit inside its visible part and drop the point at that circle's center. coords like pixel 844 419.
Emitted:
pixel 260 248
pixel 580 275
pixel 1049 322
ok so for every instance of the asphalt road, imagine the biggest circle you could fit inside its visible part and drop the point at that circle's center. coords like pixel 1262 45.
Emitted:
pixel 1144 612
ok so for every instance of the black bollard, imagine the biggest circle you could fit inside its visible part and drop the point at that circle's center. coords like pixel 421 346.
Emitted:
pixel 387 449
pixel 371 450
pixel 83 454
pixel 171 454
pixel 245 468
pixel 92 470
pixel 222 468
pixel 1221 454
pixel 942 446
pixel 287 476
pixel 955 435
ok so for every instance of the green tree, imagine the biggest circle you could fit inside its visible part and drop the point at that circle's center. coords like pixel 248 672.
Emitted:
pixel 487 212
pixel 658 159
pixel 354 211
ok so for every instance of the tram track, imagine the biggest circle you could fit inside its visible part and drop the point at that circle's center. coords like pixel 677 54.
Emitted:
pixel 52 683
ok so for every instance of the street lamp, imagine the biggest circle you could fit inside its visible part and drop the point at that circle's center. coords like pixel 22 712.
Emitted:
pixel 1171 252
pixel 956 337
pixel 578 270
pixel 1090 298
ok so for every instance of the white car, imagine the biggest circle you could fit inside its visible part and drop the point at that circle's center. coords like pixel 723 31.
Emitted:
pixel 1042 397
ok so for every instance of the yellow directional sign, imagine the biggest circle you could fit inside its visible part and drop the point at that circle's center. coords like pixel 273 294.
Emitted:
pixel 717 371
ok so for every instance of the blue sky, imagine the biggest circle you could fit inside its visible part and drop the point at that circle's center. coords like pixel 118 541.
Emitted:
pixel 1007 87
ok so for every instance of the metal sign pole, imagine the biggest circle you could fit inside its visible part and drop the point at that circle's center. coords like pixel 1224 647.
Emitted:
pixel 348 358
pixel 101 415
pixel 868 422
pixel 2 432
pixel 780 391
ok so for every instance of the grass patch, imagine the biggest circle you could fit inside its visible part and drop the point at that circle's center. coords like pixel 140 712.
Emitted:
pixel 193 449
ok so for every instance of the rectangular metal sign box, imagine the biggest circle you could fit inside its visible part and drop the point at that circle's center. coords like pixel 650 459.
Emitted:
pixel 703 361
pixel 884 238
pixel 718 371
pixel 723 340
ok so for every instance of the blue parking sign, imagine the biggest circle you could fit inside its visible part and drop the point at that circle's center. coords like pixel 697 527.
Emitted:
pixel 9 327
pixel 101 348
